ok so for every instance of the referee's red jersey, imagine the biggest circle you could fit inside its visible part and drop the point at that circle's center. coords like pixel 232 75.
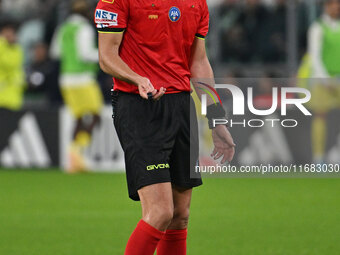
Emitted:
pixel 158 35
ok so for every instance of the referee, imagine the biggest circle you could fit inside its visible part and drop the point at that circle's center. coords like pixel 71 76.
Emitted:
pixel 152 49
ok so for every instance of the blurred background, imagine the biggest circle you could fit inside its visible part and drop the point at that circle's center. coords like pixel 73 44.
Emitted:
pixel 48 47
pixel 248 39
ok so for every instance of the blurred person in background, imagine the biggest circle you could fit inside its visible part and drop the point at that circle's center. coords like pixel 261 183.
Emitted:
pixel 253 20
pixel 273 33
pixel 243 29
pixel 74 45
pixel 30 33
pixel 322 62
pixel 234 46
pixel 42 74
pixel 12 77
pixel 19 10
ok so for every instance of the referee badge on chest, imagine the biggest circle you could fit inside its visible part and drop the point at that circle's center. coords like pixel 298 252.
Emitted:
pixel 174 14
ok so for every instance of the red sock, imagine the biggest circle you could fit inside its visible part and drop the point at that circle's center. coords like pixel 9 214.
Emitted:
pixel 174 242
pixel 143 240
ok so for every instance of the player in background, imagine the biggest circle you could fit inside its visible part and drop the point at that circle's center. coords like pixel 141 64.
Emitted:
pixel 153 49
pixel 12 77
pixel 324 54
pixel 74 45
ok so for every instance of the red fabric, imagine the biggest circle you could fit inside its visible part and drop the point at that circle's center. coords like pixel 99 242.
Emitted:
pixel 153 45
pixel 143 240
pixel 173 242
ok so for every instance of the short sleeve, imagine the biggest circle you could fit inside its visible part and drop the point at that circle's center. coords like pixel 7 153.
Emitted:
pixel 111 16
pixel 203 26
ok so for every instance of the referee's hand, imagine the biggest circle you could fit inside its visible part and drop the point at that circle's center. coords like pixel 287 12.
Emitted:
pixel 224 144
pixel 145 87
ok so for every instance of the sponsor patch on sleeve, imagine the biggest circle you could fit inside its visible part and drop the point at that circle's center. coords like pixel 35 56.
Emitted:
pixel 106 18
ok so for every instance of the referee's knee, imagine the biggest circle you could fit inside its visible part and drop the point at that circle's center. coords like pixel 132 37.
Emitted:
pixel 160 216
pixel 180 219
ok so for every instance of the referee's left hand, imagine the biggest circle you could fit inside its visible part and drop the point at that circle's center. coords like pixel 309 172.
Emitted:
pixel 159 94
pixel 145 86
pixel 224 144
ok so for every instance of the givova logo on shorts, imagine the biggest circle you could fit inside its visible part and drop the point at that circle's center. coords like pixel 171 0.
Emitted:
pixel 159 166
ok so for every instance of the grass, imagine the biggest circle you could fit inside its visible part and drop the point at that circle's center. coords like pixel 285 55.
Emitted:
pixel 48 212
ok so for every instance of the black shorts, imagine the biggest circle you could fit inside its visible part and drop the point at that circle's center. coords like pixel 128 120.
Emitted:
pixel 159 139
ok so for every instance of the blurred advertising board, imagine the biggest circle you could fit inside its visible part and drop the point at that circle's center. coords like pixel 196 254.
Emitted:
pixel 41 138
pixel 29 139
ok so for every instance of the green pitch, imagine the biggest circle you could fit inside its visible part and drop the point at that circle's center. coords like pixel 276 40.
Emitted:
pixel 53 213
